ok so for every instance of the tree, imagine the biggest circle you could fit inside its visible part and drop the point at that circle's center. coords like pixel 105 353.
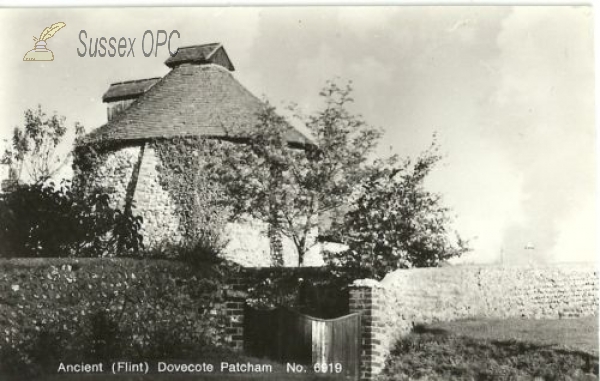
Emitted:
pixel 32 153
pixel 395 222
pixel 288 188
pixel 389 220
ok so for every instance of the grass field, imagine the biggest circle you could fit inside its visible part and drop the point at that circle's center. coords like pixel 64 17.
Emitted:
pixel 577 334
pixel 498 350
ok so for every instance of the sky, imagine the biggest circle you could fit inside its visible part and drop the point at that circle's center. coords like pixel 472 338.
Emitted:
pixel 509 91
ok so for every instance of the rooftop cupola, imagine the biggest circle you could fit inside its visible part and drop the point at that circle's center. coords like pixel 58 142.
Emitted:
pixel 120 95
pixel 201 55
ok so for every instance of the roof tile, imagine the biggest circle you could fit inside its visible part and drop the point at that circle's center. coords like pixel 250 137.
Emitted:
pixel 191 100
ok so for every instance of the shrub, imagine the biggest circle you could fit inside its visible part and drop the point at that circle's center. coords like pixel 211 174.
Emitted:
pixel 313 291
pixel 204 238
pixel 396 222
pixel 47 220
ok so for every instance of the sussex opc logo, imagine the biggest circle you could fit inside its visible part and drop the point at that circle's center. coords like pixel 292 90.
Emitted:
pixel 40 52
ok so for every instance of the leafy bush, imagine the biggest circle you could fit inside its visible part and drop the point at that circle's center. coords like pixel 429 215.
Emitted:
pixel 204 238
pixel 91 310
pixel 313 291
pixel 47 220
pixel 197 250
pixel 396 223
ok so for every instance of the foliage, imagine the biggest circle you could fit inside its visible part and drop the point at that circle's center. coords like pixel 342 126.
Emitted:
pixel 33 148
pixel 395 222
pixel 186 171
pixel 48 220
pixel 89 310
pixel 439 355
pixel 314 291
pixel 289 186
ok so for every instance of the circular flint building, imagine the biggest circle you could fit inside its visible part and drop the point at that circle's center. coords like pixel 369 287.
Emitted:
pixel 160 134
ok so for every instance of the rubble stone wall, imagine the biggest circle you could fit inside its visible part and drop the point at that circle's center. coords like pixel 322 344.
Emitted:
pixel 154 179
pixel 404 298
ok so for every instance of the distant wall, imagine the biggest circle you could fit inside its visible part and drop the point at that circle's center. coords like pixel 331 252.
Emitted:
pixel 404 298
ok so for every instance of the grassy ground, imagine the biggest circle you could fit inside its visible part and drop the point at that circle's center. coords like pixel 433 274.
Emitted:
pixel 576 334
pixel 498 350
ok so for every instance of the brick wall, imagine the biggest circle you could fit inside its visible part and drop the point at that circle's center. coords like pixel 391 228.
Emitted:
pixel 235 293
pixel 366 299
pixel 404 298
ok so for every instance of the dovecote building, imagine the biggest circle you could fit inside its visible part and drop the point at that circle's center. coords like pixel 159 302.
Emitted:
pixel 160 132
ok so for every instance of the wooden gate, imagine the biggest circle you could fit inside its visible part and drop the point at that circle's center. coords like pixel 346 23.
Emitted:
pixel 290 337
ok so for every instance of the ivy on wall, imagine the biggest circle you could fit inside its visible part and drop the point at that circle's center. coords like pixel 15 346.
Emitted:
pixel 86 161
pixel 186 171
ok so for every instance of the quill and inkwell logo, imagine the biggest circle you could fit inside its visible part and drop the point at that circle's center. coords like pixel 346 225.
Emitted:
pixel 40 51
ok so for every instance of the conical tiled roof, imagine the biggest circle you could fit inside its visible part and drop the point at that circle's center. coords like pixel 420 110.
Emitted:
pixel 191 100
